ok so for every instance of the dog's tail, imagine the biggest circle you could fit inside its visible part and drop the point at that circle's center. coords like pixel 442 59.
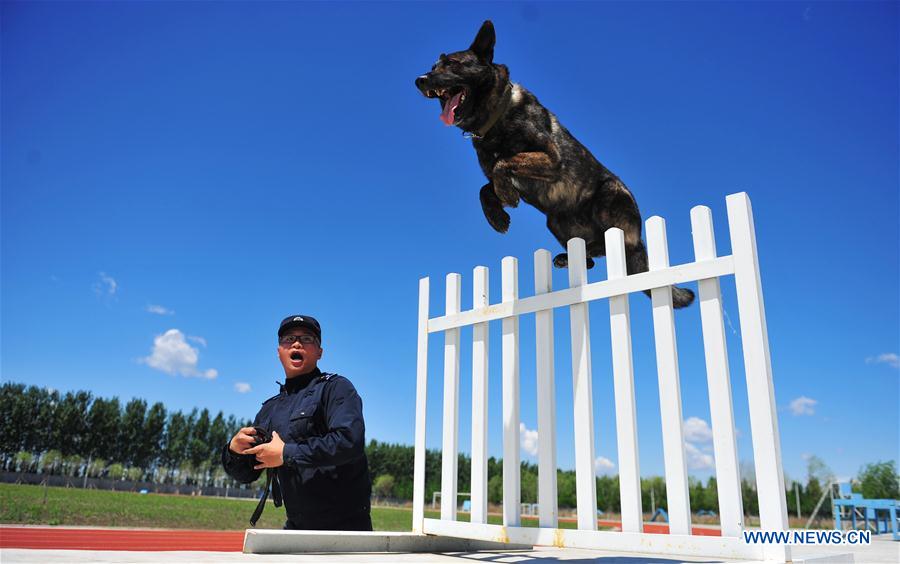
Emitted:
pixel 636 261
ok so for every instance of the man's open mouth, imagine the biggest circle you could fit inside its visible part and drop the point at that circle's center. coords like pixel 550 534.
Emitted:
pixel 451 101
pixel 297 356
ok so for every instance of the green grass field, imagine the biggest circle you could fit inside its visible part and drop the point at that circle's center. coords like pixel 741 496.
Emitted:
pixel 23 504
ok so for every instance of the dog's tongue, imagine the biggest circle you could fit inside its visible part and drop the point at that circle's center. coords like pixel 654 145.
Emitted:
pixel 448 115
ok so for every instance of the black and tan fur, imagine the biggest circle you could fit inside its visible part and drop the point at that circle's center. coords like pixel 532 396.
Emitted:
pixel 526 154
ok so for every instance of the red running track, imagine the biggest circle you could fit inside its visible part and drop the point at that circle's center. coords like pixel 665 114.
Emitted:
pixel 177 539
pixel 661 529
pixel 121 539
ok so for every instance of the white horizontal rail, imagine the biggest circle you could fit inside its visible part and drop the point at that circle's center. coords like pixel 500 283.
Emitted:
pixel 721 266
pixel 682 545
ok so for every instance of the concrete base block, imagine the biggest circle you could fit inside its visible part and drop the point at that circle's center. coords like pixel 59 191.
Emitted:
pixel 273 541
pixel 845 558
pixel 836 558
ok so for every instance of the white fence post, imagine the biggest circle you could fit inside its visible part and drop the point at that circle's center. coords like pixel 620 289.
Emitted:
pixel 623 379
pixel 758 369
pixel 511 471
pixel 450 447
pixel 479 497
pixel 546 396
pixel 728 478
pixel 421 403
pixel 679 505
pixel 585 483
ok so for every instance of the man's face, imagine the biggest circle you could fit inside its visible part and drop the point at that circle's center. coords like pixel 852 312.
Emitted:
pixel 296 356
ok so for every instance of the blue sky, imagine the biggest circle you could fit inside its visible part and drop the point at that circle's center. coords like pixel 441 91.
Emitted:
pixel 177 177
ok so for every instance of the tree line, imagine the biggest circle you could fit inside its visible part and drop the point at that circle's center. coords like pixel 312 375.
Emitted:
pixel 77 434
pixel 391 467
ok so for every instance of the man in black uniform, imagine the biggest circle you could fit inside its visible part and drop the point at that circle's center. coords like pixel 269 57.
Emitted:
pixel 318 439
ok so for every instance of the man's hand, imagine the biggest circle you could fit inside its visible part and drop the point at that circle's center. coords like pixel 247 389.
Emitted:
pixel 243 440
pixel 269 455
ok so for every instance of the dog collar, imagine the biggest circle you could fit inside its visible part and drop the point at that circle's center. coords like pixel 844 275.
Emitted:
pixel 495 116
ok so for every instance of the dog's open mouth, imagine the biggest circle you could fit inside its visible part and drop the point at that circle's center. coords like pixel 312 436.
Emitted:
pixel 450 103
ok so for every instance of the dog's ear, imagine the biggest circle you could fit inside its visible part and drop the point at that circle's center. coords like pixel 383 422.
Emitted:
pixel 483 46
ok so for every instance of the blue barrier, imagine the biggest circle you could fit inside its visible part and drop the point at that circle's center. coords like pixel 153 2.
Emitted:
pixel 883 512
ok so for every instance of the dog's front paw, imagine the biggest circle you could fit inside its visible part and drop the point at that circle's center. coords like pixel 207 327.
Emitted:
pixel 498 219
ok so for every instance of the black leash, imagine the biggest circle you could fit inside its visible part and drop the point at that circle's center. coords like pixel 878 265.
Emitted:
pixel 271 480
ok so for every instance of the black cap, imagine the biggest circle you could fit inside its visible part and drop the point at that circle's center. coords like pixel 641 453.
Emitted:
pixel 300 321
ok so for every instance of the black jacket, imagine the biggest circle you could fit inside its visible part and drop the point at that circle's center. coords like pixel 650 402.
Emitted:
pixel 325 475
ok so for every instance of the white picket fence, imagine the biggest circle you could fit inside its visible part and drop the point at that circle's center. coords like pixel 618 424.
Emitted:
pixel 706 269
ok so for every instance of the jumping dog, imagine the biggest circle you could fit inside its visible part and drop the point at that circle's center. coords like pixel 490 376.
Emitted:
pixel 526 154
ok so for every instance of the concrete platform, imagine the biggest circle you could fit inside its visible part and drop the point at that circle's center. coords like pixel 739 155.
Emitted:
pixel 877 553
pixel 539 555
pixel 882 550
pixel 270 541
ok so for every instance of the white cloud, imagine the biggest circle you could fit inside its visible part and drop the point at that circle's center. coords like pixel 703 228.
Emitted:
pixel 697 430
pixel 803 406
pixel 242 387
pixel 528 439
pixel 199 340
pixel 891 359
pixel 603 465
pixel 106 286
pixel 173 355
pixel 160 310
pixel 698 444
pixel 697 459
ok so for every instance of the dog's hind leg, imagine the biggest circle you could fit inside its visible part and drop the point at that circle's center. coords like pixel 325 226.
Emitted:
pixel 562 261
pixel 636 257
pixel 564 228
pixel 636 262
pixel 621 211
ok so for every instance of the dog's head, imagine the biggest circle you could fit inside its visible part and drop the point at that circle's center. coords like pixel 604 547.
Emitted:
pixel 465 80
